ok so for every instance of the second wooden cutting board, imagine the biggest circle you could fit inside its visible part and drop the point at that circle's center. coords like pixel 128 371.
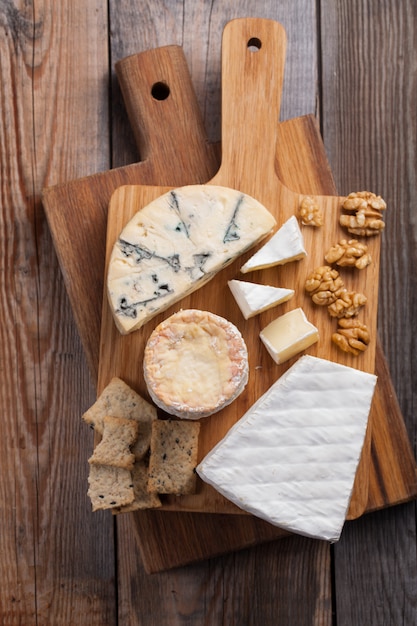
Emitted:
pixel 252 74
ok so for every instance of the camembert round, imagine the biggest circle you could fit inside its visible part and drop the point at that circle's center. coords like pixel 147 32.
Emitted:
pixel 195 363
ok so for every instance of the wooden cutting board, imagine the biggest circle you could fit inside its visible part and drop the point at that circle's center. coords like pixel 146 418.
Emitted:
pixel 253 56
pixel 168 540
pixel 77 214
pixel 77 210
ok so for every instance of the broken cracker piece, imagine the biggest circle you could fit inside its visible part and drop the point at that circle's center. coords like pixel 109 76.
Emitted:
pixel 119 400
pixel 119 434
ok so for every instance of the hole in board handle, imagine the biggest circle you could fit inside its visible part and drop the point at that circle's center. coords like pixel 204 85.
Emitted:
pixel 160 91
pixel 254 44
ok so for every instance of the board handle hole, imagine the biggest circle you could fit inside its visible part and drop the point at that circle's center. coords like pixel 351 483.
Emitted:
pixel 160 91
pixel 254 44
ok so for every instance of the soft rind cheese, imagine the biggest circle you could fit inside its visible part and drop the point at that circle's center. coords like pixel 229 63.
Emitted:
pixel 195 363
pixel 292 458
pixel 177 243
pixel 253 298
pixel 288 335
pixel 286 245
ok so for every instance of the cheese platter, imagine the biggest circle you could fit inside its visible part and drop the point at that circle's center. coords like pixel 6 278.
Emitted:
pixel 251 89
pixel 300 163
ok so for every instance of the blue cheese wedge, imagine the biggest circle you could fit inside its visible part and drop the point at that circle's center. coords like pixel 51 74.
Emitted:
pixel 285 246
pixel 292 458
pixel 288 335
pixel 176 244
pixel 253 298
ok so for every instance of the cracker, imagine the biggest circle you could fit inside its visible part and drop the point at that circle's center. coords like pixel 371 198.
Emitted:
pixel 142 498
pixel 119 400
pixel 173 458
pixel 114 448
pixel 109 487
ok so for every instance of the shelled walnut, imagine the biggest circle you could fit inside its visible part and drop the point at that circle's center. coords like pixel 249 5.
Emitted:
pixel 351 336
pixel 324 285
pixel 310 212
pixel 347 304
pixel 364 217
pixel 349 253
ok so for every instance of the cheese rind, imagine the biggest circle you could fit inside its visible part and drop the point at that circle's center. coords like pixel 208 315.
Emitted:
pixel 288 335
pixel 253 298
pixel 176 244
pixel 291 459
pixel 195 363
pixel 285 246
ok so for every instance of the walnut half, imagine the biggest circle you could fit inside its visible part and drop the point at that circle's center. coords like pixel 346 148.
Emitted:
pixel 363 217
pixel 310 212
pixel 347 304
pixel 351 336
pixel 350 253
pixel 324 285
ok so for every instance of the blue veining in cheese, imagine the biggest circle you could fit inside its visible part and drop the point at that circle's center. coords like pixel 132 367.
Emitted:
pixel 292 458
pixel 177 243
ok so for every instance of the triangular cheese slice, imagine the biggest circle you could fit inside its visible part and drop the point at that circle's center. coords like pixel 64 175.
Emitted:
pixel 286 245
pixel 253 298
pixel 176 244
pixel 291 459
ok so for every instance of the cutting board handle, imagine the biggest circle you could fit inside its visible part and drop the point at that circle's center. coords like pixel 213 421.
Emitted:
pixel 253 59
pixel 162 106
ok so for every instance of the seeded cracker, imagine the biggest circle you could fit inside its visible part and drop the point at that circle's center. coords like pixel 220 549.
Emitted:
pixel 109 487
pixel 114 448
pixel 119 400
pixel 173 458
pixel 142 498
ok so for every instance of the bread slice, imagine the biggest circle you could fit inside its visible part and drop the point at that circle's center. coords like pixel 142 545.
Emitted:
pixel 173 458
pixel 142 498
pixel 109 487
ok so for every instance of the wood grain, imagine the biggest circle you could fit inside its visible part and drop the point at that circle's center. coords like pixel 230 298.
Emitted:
pixel 54 566
pixel 375 563
pixel 355 70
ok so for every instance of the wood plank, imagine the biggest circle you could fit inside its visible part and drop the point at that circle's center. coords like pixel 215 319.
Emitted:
pixel 369 48
pixel 207 591
pixel 285 582
pixel 54 567
pixel 214 590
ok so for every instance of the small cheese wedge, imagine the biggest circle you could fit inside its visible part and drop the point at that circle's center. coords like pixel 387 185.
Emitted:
pixel 292 458
pixel 176 244
pixel 288 335
pixel 286 245
pixel 253 298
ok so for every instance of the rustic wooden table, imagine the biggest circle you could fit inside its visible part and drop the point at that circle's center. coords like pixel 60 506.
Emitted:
pixel 352 63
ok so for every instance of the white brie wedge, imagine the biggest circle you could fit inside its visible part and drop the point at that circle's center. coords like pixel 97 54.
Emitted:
pixel 253 298
pixel 291 459
pixel 286 245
